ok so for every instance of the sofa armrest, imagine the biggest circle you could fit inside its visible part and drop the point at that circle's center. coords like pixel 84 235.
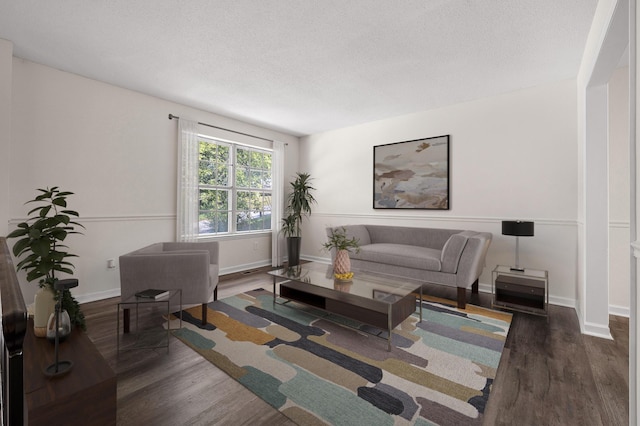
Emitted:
pixel 452 252
pixel 472 260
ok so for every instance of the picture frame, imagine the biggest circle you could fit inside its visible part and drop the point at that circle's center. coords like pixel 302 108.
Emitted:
pixel 412 174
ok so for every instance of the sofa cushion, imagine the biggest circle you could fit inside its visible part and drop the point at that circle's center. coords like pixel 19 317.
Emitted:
pixel 360 233
pixel 400 255
pixel 422 237
pixel 452 251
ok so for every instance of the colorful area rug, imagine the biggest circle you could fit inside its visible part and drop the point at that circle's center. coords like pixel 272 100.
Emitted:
pixel 316 371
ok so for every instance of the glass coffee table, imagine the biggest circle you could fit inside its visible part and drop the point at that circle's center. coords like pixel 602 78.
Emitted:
pixel 379 300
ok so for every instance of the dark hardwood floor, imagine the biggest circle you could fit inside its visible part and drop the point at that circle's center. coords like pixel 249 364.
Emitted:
pixel 549 374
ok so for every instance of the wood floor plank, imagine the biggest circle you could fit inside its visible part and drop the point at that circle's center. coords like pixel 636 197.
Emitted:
pixel 610 365
pixel 549 374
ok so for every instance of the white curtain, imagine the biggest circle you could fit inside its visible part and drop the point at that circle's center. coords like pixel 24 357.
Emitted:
pixel 188 197
pixel 277 203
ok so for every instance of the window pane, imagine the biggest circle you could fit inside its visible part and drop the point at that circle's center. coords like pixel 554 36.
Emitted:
pixel 242 177
pixel 266 180
pixel 256 179
pixel 208 199
pixel 222 175
pixel 266 209
pixel 206 173
pixel 242 201
pixel 223 200
pixel 243 221
pixel 214 199
pixel 207 151
pixel 243 157
pixel 213 222
pixel 256 160
pixel 222 222
pixel 222 153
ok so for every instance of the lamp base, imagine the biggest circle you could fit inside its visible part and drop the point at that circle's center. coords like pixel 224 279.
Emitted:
pixel 62 367
pixel 517 268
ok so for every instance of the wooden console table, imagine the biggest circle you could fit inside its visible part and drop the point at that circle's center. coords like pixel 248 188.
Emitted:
pixel 86 394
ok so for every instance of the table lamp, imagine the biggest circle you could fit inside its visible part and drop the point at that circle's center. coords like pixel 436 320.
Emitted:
pixel 517 228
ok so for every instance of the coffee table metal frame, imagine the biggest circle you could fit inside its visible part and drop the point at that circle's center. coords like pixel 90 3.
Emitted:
pixel 137 301
pixel 371 298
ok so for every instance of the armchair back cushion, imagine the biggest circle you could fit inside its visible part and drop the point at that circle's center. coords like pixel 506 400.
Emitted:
pixel 192 267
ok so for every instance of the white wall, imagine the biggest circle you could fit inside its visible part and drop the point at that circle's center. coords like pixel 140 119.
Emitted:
pixel 6 51
pixel 513 156
pixel 619 239
pixel 116 150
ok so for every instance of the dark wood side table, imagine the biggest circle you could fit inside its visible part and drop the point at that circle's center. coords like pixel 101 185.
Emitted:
pixel 86 394
pixel 524 291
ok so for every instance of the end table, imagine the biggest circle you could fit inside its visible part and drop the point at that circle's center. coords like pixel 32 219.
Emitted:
pixel 141 341
pixel 521 290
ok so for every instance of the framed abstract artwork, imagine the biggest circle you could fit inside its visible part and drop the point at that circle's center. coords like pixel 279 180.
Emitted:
pixel 412 174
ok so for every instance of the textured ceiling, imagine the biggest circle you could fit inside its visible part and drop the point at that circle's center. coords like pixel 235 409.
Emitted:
pixel 305 66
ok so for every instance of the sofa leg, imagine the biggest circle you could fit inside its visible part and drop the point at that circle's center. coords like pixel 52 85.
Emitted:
pixel 474 287
pixel 204 314
pixel 215 293
pixel 462 298
pixel 126 320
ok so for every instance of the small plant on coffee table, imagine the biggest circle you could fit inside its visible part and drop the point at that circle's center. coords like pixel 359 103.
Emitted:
pixel 339 241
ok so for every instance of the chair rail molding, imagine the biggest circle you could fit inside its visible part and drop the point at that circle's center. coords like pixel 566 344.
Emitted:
pixel 422 218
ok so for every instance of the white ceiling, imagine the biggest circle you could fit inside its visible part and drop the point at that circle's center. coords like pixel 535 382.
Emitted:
pixel 306 66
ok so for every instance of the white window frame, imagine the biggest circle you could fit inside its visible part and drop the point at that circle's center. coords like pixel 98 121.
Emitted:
pixel 233 188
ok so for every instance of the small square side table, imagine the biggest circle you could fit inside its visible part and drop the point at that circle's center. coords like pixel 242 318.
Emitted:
pixel 521 290
pixel 141 334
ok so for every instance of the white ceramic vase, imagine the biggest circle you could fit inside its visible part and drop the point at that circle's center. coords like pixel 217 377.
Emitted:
pixel 43 306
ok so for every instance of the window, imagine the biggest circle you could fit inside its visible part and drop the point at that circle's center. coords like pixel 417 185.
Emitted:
pixel 234 187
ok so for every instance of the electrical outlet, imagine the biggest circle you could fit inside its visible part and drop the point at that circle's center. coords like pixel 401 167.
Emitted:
pixel 111 263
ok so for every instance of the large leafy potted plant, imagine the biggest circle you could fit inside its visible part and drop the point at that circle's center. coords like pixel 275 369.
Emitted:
pixel 41 239
pixel 299 203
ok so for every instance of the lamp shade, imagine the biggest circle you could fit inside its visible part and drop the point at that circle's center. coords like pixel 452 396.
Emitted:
pixel 517 228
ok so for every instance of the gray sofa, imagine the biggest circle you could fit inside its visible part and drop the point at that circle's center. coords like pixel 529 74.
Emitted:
pixel 448 257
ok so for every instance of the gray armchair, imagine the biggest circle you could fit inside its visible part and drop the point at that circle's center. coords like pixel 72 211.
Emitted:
pixel 191 267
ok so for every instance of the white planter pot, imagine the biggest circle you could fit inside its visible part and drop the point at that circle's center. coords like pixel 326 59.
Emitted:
pixel 44 305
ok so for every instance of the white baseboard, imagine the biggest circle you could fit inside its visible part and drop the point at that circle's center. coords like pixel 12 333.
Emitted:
pixel 596 330
pixel 562 301
pixel 100 295
pixel 621 311
pixel 245 267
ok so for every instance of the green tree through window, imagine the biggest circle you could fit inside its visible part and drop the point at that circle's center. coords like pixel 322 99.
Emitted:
pixel 231 202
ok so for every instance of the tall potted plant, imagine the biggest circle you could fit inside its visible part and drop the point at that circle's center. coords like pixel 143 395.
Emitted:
pixel 41 241
pixel 299 203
